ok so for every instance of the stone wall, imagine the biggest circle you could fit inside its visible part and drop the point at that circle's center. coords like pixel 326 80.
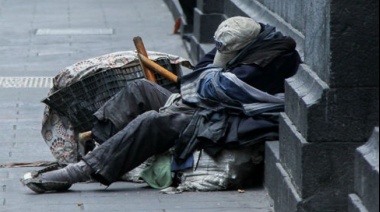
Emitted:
pixel 332 104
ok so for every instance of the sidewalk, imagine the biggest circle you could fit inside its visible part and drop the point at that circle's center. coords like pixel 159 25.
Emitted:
pixel 39 38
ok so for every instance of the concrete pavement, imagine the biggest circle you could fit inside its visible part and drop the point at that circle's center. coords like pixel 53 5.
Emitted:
pixel 38 38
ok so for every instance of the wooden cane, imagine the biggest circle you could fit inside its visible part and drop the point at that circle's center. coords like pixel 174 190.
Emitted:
pixel 84 136
pixel 140 48
pixel 157 68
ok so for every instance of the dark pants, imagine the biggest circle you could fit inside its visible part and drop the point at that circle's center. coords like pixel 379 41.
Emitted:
pixel 143 132
pixel 188 9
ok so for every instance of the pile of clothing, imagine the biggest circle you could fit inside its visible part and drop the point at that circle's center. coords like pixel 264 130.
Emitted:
pixel 57 130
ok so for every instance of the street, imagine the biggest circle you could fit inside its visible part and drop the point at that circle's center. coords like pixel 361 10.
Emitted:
pixel 39 38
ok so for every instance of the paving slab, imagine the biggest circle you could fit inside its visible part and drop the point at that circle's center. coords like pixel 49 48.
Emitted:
pixel 76 30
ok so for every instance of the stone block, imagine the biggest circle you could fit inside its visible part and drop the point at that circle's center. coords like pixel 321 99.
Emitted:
pixel 197 50
pixel 194 49
pixel 288 197
pixel 211 6
pixel 284 194
pixel 354 54
pixel 367 172
pixel 355 204
pixel 345 57
pixel 278 182
pixel 335 115
pixel 319 171
pixel 205 25
pixel 272 175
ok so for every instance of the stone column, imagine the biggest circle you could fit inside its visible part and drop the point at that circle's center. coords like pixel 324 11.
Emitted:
pixel 332 103
pixel 207 16
pixel 198 39
pixel 332 107
pixel 366 186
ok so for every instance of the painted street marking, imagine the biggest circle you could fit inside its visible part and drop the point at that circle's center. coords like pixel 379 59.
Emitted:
pixel 26 82
pixel 77 31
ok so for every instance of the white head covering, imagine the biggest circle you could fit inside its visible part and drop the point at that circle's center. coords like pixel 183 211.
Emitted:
pixel 233 35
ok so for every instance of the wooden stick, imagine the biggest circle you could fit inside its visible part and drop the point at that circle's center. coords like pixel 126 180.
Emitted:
pixel 157 68
pixel 84 136
pixel 141 50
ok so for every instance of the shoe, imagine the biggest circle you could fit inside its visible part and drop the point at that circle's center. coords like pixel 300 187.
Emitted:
pixel 33 181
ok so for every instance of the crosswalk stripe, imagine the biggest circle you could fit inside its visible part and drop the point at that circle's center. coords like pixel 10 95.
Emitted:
pixel 26 82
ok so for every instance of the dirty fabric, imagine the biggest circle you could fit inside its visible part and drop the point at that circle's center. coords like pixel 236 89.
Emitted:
pixel 57 131
pixel 183 126
pixel 154 132
pixel 221 120
pixel 134 175
pixel 136 98
pixel 219 123
pixel 148 134
pixel 159 174
pixel 231 169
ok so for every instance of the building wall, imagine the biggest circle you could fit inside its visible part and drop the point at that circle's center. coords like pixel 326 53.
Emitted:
pixel 332 103
pixel 290 11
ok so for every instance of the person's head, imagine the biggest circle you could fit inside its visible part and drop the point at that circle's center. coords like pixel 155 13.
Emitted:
pixel 232 36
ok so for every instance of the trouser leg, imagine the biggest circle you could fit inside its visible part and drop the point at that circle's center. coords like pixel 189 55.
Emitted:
pixel 149 134
pixel 188 9
pixel 136 98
